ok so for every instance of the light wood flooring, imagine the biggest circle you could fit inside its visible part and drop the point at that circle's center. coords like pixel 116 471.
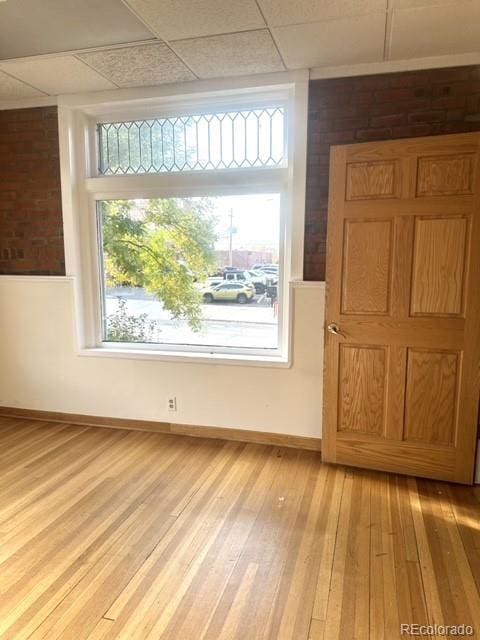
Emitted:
pixel 120 534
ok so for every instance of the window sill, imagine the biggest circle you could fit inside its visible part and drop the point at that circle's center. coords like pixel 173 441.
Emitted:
pixel 273 361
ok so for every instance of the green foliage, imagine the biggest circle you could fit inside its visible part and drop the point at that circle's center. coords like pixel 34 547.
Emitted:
pixel 133 146
pixel 125 327
pixel 164 249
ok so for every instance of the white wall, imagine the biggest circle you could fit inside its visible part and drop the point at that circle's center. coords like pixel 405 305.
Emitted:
pixel 40 369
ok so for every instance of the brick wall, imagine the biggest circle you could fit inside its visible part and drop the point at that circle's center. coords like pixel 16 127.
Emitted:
pixel 381 107
pixel 341 111
pixel 31 231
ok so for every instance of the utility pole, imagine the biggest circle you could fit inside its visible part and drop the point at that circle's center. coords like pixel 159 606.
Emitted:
pixel 231 238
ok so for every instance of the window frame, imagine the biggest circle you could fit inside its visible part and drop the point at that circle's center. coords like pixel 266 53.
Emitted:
pixel 83 186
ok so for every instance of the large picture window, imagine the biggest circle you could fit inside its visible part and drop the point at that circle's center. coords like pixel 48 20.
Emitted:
pixel 200 271
pixel 184 219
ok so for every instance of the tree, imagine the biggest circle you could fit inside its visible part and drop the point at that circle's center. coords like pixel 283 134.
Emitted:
pixel 162 245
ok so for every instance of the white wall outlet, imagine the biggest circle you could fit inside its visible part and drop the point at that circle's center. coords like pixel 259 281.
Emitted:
pixel 172 403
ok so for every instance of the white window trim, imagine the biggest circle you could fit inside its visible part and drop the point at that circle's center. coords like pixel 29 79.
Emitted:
pixel 81 187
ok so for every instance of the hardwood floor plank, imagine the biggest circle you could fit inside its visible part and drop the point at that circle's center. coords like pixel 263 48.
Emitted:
pixel 460 560
pixel 291 616
pixel 223 551
pixel 453 599
pixel 328 533
pixel 80 611
pixel 466 511
pixel 384 616
pixel 355 620
pixel 333 615
pixel 408 577
pixel 430 586
pixel 268 546
pixel 187 547
pixel 123 504
pixel 119 535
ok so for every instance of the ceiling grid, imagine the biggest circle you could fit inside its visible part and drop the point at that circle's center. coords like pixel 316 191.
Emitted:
pixel 69 46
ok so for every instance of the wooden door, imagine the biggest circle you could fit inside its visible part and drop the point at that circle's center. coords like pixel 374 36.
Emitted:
pixel 403 287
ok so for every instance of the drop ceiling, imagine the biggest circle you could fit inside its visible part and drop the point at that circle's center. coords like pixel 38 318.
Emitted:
pixel 55 47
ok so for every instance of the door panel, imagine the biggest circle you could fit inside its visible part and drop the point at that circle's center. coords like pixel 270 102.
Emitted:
pixel 402 375
pixel 366 268
pixel 445 175
pixel 372 179
pixel 431 396
pixel 439 265
pixel 362 385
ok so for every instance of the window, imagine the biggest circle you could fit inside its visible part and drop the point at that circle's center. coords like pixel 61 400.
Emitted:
pixel 180 225
pixel 163 262
pixel 198 142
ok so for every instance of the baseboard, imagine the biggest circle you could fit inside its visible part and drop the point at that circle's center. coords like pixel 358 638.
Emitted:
pixel 240 435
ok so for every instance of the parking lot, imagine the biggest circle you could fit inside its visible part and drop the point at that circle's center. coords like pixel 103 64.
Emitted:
pixel 224 323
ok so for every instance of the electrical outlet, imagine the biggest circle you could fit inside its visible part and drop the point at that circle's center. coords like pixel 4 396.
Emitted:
pixel 172 403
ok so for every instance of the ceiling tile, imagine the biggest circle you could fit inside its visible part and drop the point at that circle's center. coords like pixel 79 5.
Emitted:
pixel 176 19
pixel 233 54
pixel 331 43
pixel 12 89
pixel 31 27
pixel 139 66
pixel 62 74
pixel 287 12
pixel 432 31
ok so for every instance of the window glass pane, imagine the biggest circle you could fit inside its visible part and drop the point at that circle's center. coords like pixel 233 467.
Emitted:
pixel 228 140
pixel 191 271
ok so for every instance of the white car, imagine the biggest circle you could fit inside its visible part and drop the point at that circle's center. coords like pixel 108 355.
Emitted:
pixel 214 280
pixel 240 276
pixel 260 280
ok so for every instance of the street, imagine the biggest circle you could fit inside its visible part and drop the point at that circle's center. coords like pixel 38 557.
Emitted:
pixel 224 324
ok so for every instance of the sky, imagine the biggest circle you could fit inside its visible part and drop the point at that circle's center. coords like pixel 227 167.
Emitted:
pixel 256 221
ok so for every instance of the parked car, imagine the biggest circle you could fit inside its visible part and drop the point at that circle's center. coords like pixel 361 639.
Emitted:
pixel 240 276
pixel 269 270
pixel 232 291
pixel 260 281
pixel 214 280
pixel 265 267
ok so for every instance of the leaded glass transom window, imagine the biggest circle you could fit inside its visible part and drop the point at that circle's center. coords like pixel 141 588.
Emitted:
pixel 209 141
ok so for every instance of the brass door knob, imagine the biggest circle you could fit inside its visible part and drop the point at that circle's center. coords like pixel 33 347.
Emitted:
pixel 335 329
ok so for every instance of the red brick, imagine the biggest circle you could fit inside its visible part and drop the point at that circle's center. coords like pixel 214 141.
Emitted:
pixel 453 74
pixel 388 120
pixel 394 95
pixel 442 128
pixel 406 79
pixel 449 102
pixel 455 114
pixel 349 123
pixel 473 103
pixel 465 88
pixel 403 106
pixel 399 105
pixel 412 130
pixel 31 229
pixel 374 134
pixel 345 111
pixel 426 116
pixel 338 137
pixel 370 83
